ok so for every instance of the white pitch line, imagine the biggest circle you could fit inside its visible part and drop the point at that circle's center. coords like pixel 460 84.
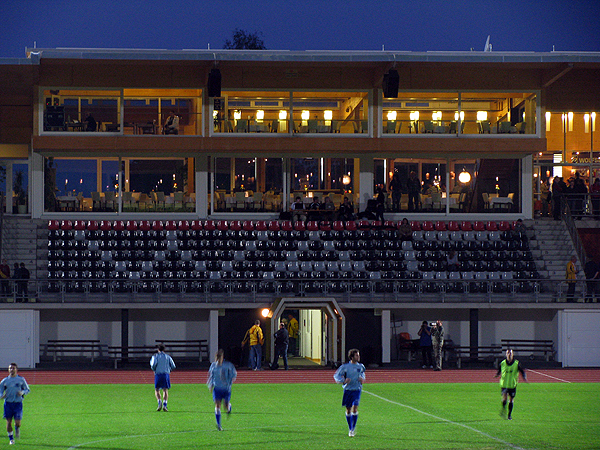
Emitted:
pixel 516 447
pixel 549 376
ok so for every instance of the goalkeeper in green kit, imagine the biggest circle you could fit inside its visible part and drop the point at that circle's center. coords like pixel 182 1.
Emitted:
pixel 509 377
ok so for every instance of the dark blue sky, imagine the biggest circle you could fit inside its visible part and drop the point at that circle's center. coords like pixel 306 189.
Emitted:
pixel 417 25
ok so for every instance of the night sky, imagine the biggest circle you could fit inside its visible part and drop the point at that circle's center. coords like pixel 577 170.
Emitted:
pixel 417 25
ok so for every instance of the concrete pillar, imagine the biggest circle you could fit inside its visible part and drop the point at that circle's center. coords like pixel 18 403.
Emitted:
pixel 213 333
pixel 474 331
pixel 386 336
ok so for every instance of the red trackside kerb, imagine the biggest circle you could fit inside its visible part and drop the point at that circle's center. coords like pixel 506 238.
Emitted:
pixel 34 377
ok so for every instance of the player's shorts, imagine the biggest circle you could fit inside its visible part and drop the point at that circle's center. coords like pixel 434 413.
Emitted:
pixel 221 395
pixel 13 410
pixel 351 398
pixel 162 381
pixel 510 391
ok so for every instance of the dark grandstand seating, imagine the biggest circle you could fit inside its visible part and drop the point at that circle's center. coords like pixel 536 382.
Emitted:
pixel 286 257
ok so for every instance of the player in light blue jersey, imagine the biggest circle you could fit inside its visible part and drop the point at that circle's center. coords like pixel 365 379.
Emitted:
pixel 221 376
pixel 162 364
pixel 351 375
pixel 13 388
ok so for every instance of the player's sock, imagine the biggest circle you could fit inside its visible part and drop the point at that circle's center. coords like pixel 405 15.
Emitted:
pixel 349 420
pixel 218 416
pixel 354 419
pixel 165 404
pixel 10 436
pixel 17 431
pixel 510 408
pixel 503 404
pixel 160 404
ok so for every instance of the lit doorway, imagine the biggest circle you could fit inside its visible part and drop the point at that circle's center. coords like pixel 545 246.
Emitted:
pixel 321 330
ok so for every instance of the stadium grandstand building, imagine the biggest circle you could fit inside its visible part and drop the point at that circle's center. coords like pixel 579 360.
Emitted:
pixel 166 196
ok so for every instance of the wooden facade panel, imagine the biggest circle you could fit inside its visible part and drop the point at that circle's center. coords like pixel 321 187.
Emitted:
pixel 194 145
pixel 577 90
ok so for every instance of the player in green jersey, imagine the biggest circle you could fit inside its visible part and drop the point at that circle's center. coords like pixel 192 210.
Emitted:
pixel 509 377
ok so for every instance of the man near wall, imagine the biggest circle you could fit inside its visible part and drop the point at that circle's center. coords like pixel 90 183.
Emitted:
pixel 293 328
pixel 437 339
pixel 256 339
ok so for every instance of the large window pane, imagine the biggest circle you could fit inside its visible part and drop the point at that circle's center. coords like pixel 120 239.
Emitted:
pixel 81 110
pixel 421 112
pixel 499 113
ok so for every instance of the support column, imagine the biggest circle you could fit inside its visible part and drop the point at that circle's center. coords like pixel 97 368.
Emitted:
pixel 124 334
pixel 386 336
pixel 202 167
pixel 474 332
pixel 365 187
pixel 213 333
pixel 9 188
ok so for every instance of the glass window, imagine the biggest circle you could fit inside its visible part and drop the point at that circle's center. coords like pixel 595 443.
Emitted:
pixel 309 112
pixel 421 112
pixel 511 113
pixel 81 110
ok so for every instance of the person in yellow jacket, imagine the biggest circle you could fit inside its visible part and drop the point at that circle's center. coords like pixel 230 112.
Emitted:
pixel 293 332
pixel 571 277
pixel 256 338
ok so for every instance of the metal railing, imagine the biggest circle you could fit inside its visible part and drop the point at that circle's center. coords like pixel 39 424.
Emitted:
pixel 365 290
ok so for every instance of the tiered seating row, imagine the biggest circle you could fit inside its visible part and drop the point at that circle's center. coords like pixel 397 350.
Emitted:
pixel 282 256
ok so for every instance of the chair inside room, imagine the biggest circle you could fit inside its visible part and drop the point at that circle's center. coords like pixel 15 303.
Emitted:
pixel 110 200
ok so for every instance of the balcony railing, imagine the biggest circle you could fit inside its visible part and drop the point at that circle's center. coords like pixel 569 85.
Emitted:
pixel 216 287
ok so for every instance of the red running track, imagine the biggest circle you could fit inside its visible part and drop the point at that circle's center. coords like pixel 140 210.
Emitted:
pixel 308 376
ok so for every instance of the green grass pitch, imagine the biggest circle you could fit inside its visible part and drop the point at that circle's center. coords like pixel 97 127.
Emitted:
pixel 310 416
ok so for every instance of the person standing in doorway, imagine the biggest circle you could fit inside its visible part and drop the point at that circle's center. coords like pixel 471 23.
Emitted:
pixel 256 339
pixel 352 376
pixel 162 364
pixel 437 339
pixel 509 377
pixel 281 347
pixel 221 376
pixel 12 389
pixel 293 328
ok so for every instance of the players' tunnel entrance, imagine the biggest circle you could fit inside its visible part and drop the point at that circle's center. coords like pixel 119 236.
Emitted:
pixel 321 330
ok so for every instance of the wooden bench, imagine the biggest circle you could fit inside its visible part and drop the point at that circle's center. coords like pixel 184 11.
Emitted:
pixel 491 353
pixel 543 347
pixel 57 348
pixel 197 347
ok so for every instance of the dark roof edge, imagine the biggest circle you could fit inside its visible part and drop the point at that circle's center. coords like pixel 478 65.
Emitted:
pixel 310 55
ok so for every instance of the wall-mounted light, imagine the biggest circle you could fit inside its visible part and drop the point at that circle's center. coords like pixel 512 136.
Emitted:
pixel 237 114
pixel 464 177
pixel 260 114
pixel 482 115
pixel 305 115
pixel 586 122
pixel 570 120
pixel 391 115
pixel 414 116
pixel 461 115
pixel 548 116
pixel 593 120
pixel 346 180
pixel 436 115
pixel 282 114
pixel 328 114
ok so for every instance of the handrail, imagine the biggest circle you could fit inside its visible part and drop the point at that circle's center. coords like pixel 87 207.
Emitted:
pixel 572 228
pixel 526 290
